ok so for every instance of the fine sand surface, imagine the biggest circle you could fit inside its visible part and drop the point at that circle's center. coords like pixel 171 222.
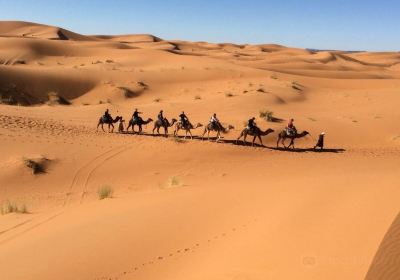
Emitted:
pixel 192 209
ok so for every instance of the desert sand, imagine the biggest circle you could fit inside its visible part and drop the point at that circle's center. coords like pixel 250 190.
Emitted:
pixel 193 209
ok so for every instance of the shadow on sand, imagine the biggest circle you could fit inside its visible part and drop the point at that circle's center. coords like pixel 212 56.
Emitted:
pixel 241 143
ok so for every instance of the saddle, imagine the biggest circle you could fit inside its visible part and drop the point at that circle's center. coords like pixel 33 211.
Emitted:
pixel 105 119
pixel 291 131
pixel 137 120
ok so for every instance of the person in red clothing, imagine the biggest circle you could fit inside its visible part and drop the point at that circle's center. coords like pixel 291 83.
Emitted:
pixel 290 128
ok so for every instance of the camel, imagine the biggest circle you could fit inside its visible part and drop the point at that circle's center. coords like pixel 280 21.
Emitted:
pixel 158 124
pixel 283 135
pixel 139 122
pixel 256 132
pixel 110 122
pixel 218 128
pixel 187 128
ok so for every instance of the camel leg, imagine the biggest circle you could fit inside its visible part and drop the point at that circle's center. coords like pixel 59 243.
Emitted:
pixel 277 142
pixel 259 137
pixel 202 136
pixel 240 136
pixel 244 139
pixel 98 126
pixel 218 136
pixel 112 129
pixel 154 129
pixel 208 135
pixel 292 143
pixel 254 139
pixel 283 143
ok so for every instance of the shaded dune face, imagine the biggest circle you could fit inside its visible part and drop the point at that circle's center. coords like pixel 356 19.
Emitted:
pixel 386 263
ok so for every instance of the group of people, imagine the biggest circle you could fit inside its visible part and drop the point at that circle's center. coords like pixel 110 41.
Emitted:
pixel 290 128
pixel 214 121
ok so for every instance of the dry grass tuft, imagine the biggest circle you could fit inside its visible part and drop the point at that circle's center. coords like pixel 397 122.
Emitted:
pixel 267 115
pixel 35 166
pixel 55 99
pixel 105 192
pixel 11 207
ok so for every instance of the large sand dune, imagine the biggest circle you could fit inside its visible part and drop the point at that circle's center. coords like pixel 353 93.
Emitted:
pixel 192 209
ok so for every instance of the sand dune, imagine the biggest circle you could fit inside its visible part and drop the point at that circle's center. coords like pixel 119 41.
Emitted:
pixel 385 264
pixel 194 209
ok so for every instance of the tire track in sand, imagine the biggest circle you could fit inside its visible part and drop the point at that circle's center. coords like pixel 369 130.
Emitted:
pixel 83 174
pixel 81 177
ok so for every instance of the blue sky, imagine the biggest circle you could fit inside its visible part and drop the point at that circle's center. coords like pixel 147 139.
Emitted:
pixel 330 24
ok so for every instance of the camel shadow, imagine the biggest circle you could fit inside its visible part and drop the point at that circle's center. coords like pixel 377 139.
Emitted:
pixel 309 150
pixel 213 139
pixel 143 134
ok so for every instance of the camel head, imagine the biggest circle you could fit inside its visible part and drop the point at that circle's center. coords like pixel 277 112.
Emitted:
pixel 227 129
pixel 149 120
pixel 304 133
pixel 172 122
pixel 269 130
pixel 197 125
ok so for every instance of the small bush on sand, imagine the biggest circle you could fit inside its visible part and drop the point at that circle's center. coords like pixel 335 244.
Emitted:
pixel 105 192
pixel 128 93
pixel 297 86
pixel 197 97
pixel 267 115
pixel 36 167
pixel 229 94
pixel 55 99
pixel 12 207
pixel 173 181
pixel 157 100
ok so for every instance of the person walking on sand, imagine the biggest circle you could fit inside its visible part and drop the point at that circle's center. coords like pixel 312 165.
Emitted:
pixel 121 125
pixel 320 143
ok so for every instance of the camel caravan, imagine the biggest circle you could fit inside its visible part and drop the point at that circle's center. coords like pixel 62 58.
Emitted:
pixel 213 126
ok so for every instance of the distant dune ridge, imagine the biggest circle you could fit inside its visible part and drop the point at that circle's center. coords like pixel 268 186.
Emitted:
pixel 77 202
pixel 37 46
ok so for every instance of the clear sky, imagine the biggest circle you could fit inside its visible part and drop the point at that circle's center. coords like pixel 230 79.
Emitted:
pixel 320 24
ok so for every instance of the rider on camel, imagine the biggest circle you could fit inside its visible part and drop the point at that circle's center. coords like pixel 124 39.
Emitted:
pixel 252 123
pixel 214 121
pixel 135 115
pixel 290 128
pixel 161 117
pixel 184 119
pixel 107 116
